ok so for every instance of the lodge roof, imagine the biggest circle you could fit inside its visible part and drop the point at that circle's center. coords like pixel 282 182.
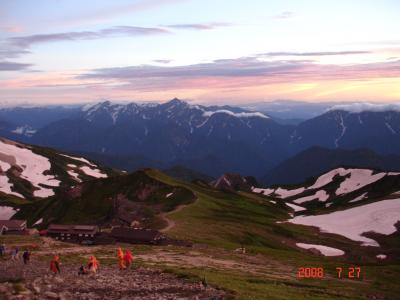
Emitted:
pixel 61 228
pixel 135 234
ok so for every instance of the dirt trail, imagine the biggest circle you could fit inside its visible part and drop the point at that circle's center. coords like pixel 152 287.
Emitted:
pixel 171 223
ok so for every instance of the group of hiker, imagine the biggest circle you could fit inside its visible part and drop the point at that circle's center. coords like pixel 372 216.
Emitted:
pixel 124 262
pixel 14 253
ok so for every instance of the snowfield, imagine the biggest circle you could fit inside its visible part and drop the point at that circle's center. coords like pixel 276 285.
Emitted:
pixel 74 175
pixel 359 198
pixel 328 178
pixel 80 159
pixel 263 191
pixel 379 217
pixel 6 212
pixel 93 172
pixel 295 207
pixel 358 179
pixel 325 250
pixel 320 195
pixel 33 168
pixel 283 193
pixel 355 179
pixel 237 115
pixel 5 184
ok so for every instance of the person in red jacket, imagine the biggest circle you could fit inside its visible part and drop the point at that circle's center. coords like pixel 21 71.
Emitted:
pixel 55 264
pixel 128 258
pixel 121 261
pixel 93 264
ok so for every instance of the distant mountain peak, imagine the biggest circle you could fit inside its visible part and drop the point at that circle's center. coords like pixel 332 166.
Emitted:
pixel 176 102
pixel 232 182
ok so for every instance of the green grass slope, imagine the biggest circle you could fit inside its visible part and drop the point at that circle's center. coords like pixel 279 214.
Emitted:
pixel 230 220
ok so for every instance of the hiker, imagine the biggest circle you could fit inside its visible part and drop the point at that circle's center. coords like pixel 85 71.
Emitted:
pixel 2 250
pixel 26 256
pixel 82 270
pixel 14 253
pixel 55 264
pixel 93 264
pixel 121 262
pixel 128 258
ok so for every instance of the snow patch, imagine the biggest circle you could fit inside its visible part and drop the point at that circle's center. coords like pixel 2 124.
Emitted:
pixel 263 191
pixel 342 133
pixel 237 115
pixel 359 198
pixel 358 179
pixel 80 159
pixel 5 184
pixel 74 175
pixel 24 130
pixel 328 177
pixel 295 207
pixel 320 195
pixel 33 168
pixel 379 217
pixel 40 221
pixel 390 128
pixel 6 212
pixel 283 193
pixel 325 250
pixel 93 172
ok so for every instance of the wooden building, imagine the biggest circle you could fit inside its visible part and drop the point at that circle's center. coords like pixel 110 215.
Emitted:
pixel 84 234
pixel 13 227
pixel 136 235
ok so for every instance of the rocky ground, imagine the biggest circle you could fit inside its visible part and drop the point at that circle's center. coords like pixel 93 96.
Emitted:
pixel 34 281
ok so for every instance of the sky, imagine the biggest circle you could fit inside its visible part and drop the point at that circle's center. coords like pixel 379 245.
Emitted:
pixel 205 51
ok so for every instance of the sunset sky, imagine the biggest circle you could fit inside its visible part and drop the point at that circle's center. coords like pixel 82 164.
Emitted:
pixel 205 51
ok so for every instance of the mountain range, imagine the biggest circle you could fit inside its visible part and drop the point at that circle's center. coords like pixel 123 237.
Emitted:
pixel 211 140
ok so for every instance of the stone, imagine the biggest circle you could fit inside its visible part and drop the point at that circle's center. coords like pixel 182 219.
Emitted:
pixel 51 295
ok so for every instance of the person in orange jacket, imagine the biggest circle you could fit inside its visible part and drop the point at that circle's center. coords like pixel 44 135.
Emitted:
pixel 93 264
pixel 121 262
pixel 128 258
pixel 55 264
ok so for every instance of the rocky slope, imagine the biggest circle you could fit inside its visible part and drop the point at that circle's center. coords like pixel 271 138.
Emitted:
pixel 35 282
